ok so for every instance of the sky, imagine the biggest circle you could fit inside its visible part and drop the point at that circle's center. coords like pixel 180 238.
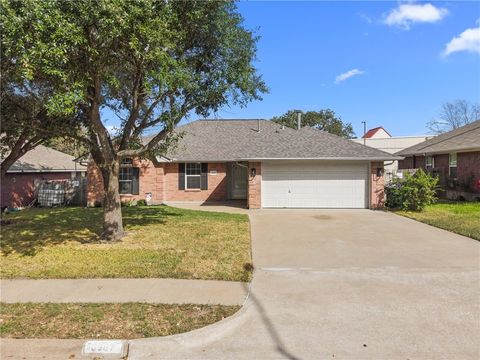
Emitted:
pixel 391 64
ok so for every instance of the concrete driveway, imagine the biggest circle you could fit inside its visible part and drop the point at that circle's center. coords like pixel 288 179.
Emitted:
pixel 346 284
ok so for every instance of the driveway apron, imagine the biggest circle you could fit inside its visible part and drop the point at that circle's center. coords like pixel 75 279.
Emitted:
pixel 346 284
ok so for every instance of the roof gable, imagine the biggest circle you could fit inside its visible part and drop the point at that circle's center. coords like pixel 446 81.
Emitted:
pixel 376 132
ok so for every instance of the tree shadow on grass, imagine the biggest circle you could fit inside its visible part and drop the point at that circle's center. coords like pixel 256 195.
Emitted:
pixel 34 229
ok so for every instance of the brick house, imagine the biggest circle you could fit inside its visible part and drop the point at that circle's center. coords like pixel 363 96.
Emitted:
pixel 257 161
pixel 41 163
pixel 454 156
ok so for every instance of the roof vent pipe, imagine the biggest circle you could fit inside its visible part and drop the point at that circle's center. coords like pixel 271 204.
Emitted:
pixel 299 119
pixel 258 125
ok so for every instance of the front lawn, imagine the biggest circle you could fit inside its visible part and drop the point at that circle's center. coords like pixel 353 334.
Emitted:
pixel 106 321
pixel 462 218
pixel 161 241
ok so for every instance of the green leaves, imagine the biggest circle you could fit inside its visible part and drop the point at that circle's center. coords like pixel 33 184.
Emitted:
pixel 414 192
pixel 151 61
pixel 325 120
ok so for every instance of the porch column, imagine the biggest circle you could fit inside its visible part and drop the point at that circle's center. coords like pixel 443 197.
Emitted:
pixel 254 196
pixel 377 185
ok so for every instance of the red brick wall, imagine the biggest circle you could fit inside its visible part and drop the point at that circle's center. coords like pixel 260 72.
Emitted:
pixel 217 185
pixel 468 169
pixel 441 161
pixel 409 163
pixel 406 163
pixel 18 188
pixel 377 189
pixel 150 180
pixel 94 184
pixel 162 182
pixel 254 196
pixel 420 162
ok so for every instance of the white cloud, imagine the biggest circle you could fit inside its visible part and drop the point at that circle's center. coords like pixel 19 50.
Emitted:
pixel 469 40
pixel 406 14
pixel 348 74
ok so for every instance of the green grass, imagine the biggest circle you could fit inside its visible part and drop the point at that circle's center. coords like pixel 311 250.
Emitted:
pixel 461 218
pixel 161 241
pixel 106 321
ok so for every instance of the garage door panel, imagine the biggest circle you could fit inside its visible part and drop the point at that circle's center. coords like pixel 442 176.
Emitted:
pixel 314 185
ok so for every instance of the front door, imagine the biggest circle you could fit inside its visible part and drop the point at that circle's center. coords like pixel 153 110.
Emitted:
pixel 239 181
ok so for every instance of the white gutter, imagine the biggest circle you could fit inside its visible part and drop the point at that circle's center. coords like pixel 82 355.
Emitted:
pixel 441 152
pixel 389 158
pixel 331 158
pixel 44 171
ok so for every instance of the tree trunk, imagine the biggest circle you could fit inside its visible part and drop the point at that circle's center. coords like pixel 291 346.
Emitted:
pixel 112 208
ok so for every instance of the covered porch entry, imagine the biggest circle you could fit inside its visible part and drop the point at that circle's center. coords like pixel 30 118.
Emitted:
pixel 237 180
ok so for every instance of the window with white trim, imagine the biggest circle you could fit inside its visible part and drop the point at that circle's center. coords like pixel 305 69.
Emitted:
pixel 193 175
pixel 429 162
pixel 452 164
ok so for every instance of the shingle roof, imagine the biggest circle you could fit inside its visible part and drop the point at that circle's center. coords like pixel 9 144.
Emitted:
pixel 233 140
pixel 464 138
pixel 44 159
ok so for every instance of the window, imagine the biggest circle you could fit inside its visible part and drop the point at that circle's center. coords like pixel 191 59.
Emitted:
pixel 193 175
pixel 429 162
pixel 128 178
pixel 452 165
pixel 127 162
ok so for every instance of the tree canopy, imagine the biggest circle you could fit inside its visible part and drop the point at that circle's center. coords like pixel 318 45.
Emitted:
pixel 325 120
pixel 144 64
pixel 26 122
pixel 453 115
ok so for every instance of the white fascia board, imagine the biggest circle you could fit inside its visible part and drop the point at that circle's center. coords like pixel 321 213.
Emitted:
pixel 44 171
pixel 198 161
pixel 420 153
pixel 329 158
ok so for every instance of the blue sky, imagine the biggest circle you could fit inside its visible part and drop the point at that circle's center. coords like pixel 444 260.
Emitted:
pixel 398 51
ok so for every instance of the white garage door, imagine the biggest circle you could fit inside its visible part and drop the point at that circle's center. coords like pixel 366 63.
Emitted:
pixel 314 184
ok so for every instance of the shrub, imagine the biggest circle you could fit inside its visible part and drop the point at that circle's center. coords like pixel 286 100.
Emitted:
pixel 128 203
pixel 142 202
pixel 414 192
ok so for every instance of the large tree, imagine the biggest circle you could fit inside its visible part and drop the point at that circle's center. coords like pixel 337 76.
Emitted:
pixel 325 120
pixel 147 63
pixel 26 122
pixel 453 115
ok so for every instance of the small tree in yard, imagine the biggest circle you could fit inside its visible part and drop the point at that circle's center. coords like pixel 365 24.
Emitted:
pixel 151 63
pixel 414 192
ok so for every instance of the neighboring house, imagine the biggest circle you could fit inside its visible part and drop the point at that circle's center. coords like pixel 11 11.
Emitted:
pixel 41 163
pixel 258 161
pixel 379 138
pixel 454 156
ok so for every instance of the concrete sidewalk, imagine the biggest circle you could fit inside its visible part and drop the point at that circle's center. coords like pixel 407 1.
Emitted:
pixel 159 291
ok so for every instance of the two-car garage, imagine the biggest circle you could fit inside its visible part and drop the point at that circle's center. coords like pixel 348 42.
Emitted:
pixel 314 184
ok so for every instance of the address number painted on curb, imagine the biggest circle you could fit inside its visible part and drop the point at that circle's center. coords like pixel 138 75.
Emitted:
pixel 108 349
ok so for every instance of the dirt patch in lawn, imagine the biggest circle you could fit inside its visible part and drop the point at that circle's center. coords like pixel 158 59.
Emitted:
pixel 105 321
